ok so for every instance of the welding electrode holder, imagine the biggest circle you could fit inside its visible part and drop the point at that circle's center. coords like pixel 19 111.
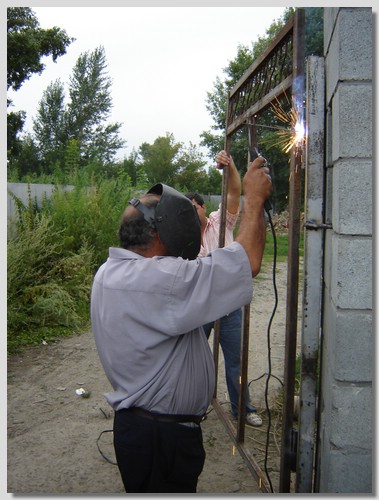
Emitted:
pixel 254 153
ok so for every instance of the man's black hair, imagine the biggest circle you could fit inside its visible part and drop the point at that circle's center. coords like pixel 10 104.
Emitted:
pixel 134 231
pixel 195 196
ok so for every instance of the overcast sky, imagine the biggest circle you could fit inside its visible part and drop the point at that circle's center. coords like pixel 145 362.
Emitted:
pixel 162 62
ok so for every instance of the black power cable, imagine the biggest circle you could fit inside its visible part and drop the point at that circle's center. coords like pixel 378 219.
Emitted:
pixel 98 447
pixel 269 374
pixel 254 153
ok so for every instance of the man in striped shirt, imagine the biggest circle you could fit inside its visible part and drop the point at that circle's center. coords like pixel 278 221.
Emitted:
pixel 231 324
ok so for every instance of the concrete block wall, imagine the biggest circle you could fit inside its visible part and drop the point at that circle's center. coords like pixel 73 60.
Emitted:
pixel 344 460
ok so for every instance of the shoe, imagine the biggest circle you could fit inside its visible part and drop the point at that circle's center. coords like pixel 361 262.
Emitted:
pixel 253 419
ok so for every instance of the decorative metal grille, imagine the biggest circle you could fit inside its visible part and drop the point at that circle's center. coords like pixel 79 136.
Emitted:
pixel 269 77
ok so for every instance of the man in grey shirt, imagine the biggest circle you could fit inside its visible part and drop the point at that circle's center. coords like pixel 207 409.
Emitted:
pixel 148 302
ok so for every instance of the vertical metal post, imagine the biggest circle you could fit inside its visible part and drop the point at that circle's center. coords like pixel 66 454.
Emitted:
pixel 245 332
pixel 313 271
pixel 221 243
pixel 287 457
pixel 243 374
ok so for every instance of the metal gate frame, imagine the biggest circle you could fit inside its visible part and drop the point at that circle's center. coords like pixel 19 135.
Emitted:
pixel 314 212
pixel 278 70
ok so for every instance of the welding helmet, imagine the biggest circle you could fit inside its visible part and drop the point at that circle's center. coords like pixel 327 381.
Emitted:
pixel 176 221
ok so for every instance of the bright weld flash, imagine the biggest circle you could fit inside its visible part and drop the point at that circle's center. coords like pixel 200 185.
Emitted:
pixel 293 134
pixel 298 136
pixel 299 131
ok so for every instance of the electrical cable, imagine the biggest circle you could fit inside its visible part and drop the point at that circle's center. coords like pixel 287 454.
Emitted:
pixel 263 374
pixel 269 374
pixel 98 447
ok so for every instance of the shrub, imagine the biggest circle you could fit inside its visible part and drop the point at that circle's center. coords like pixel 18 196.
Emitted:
pixel 53 256
pixel 48 290
pixel 89 214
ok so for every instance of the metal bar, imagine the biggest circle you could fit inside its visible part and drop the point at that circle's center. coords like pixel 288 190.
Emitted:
pixel 285 31
pixel 224 200
pixel 313 271
pixel 244 452
pixel 221 242
pixel 216 343
pixel 243 375
pixel 292 271
pixel 251 95
pixel 259 105
pixel 244 363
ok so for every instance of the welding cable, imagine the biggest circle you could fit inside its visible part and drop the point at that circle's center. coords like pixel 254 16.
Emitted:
pixel 269 347
pixel 263 374
pixel 98 447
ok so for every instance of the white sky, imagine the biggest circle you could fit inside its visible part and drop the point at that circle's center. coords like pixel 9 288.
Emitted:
pixel 162 62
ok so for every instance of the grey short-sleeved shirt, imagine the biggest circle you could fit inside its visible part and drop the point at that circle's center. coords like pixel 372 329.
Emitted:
pixel 147 316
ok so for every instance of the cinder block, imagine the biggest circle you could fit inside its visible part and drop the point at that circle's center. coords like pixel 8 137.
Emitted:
pixel 352 121
pixel 353 346
pixel 347 473
pixel 355 28
pixel 338 462
pixel 352 197
pixel 351 404
pixel 348 46
pixel 351 272
pixel 348 345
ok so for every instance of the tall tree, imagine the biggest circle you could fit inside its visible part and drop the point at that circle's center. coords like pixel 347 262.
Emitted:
pixel 73 134
pixel 90 107
pixel 27 43
pixel 49 126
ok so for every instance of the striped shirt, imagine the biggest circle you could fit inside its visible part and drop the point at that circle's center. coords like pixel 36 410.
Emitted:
pixel 210 239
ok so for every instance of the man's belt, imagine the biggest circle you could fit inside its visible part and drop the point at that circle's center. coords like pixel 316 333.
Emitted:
pixel 162 417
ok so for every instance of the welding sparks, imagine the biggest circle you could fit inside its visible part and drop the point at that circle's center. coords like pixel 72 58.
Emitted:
pixel 292 134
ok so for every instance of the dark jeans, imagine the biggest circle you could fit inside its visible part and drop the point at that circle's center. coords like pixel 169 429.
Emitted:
pixel 230 342
pixel 157 457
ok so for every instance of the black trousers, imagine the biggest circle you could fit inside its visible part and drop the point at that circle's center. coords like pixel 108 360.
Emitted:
pixel 157 457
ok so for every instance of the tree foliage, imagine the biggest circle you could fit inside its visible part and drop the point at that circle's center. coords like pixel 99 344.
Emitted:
pixel 191 175
pixel 50 131
pixel 174 164
pixel 160 159
pixel 27 43
pixel 90 107
pixel 69 136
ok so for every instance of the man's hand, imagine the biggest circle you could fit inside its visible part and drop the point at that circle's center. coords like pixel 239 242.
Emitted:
pixel 257 184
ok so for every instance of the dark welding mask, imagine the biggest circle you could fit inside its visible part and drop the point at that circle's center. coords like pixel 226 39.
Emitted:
pixel 175 219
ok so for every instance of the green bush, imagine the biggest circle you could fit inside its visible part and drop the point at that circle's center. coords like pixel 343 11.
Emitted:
pixel 51 262
pixel 88 214
pixel 48 291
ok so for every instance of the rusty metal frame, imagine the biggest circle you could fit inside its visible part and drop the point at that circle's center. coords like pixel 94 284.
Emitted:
pixel 268 78
pixel 273 74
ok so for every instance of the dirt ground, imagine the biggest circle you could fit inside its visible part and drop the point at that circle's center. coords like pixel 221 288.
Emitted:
pixel 61 443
